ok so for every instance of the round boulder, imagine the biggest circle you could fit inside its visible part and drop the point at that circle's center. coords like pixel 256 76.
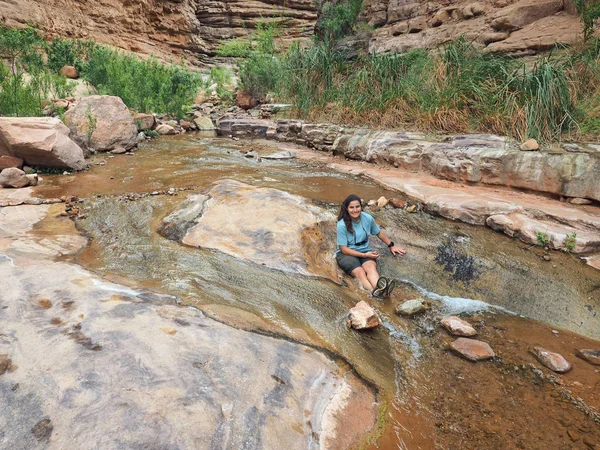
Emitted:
pixel 101 123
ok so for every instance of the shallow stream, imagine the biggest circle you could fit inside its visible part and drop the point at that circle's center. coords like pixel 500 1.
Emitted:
pixel 457 267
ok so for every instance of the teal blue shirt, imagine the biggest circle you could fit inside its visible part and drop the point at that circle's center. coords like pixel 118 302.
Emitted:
pixel 359 240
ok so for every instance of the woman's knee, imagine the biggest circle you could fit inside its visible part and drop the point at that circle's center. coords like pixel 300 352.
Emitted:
pixel 359 272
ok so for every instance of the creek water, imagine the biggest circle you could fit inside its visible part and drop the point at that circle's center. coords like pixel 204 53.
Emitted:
pixel 429 398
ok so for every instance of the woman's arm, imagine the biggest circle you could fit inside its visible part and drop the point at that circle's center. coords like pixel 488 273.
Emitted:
pixel 348 251
pixel 386 240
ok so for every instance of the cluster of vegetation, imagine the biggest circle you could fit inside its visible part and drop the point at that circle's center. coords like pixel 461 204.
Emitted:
pixel 25 81
pixel 457 88
pixel 144 85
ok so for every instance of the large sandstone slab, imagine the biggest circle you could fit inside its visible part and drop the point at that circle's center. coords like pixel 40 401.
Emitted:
pixel 262 225
pixel 102 123
pixel 40 141
pixel 122 368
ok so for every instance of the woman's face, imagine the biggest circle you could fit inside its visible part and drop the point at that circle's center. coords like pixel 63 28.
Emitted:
pixel 354 209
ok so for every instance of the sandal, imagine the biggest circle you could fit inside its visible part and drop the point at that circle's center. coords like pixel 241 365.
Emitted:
pixel 391 285
pixel 382 286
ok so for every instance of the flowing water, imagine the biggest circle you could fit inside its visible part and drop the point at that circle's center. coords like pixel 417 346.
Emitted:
pixel 430 398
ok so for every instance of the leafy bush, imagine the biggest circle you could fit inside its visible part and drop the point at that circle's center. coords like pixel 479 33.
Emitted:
pixel 237 48
pixel 144 85
pixel 337 20
pixel 570 241
pixel 68 52
pixel 589 10
pixel 26 83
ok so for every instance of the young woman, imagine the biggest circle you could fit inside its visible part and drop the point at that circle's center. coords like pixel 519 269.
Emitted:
pixel 354 255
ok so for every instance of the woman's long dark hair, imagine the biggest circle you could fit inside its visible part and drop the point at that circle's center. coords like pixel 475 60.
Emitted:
pixel 345 215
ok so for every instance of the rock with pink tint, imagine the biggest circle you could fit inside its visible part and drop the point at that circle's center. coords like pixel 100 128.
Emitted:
pixel 472 349
pixel 458 327
pixel 363 317
pixel 7 161
pixel 552 361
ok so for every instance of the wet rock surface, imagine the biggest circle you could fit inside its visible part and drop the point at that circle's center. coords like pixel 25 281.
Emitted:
pixel 524 401
pixel 168 372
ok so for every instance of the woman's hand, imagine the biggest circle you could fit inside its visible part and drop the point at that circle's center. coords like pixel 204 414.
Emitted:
pixel 373 255
pixel 397 250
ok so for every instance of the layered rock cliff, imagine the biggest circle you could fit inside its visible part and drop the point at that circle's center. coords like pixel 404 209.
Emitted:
pixel 194 28
pixel 166 28
pixel 505 26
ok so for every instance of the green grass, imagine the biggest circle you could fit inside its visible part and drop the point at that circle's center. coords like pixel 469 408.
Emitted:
pixel 145 85
pixel 457 88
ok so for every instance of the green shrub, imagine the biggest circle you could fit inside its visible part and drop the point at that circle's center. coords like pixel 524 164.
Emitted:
pixel 542 239
pixel 589 11
pixel 570 241
pixel 237 48
pixel 143 85
pixel 26 83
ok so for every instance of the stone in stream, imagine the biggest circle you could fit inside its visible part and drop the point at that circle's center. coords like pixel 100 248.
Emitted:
pixel 472 349
pixel 382 202
pixel 552 361
pixel 411 307
pixel 40 141
pixel 458 327
pixel 591 356
pixel 363 317
pixel 164 129
pixel 13 178
pixel 144 121
pixel 397 203
pixel 280 155
pixel 101 123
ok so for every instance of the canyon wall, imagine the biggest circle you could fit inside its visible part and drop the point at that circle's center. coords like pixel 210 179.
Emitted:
pixel 167 28
pixel 193 28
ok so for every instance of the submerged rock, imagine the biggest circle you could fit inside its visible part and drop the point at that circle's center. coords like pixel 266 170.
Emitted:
pixel 472 349
pixel 458 327
pixel 591 356
pixel 280 155
pixel 363 317
pixel 552 361
pixel 411 307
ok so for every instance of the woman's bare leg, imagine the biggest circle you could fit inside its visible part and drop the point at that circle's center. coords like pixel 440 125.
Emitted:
pixel 371 272
pixel 361 275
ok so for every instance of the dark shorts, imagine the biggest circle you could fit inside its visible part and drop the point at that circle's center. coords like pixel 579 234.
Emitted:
pixel 349 263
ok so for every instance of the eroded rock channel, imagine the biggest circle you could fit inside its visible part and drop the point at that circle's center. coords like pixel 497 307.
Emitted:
pixel 199 306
